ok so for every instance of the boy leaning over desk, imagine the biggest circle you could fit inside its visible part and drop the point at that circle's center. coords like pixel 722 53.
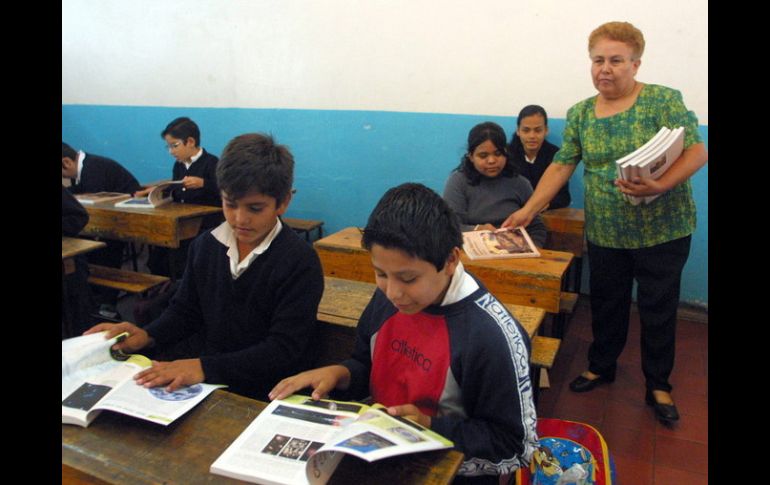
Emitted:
pixel 245 311
pixel 433 344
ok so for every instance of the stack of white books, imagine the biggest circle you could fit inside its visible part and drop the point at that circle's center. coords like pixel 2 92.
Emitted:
pixel 651 160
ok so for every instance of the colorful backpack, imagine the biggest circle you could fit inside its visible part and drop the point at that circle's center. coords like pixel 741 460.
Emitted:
pixel 570 453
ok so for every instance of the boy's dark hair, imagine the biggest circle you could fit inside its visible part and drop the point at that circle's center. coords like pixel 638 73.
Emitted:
pixel 68 151
pixel 253 162
pixel 479 134
pixel 183 128
pixel 416 220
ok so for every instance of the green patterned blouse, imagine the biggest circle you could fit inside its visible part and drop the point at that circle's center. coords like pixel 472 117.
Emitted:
pixel 611 221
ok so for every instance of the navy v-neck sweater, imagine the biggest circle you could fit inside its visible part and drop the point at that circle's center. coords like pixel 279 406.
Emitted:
pixel 256 329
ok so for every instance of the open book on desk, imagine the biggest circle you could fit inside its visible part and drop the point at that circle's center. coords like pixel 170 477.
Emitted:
pixel 499 244
pixel 158 196
pixel 94 378
pixel 300 441
pixel 96 197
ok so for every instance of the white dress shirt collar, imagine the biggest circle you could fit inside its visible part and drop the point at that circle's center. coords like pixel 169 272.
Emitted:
pixel 224 234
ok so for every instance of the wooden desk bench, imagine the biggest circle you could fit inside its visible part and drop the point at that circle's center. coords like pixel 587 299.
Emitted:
pixel 566 228
pixel 533 282
pixel 71 247
pixel 343 302
pixel 120 279
pixel 305 226
pixel 544 350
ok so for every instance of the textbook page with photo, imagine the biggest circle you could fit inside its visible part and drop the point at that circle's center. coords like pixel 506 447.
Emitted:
pixel 97 197
pixel 499 244
pixel 94 378
pixel 299 441
pixel 158 196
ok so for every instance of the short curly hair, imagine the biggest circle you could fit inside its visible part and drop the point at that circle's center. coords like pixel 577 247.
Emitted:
pixel 621 32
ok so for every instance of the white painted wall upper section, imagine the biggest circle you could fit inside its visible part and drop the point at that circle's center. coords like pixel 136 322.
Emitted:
pixel 440 56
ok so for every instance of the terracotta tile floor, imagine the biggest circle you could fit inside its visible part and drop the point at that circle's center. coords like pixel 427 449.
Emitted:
pixel 645 452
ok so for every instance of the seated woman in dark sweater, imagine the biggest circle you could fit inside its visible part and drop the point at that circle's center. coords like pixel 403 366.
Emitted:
pixel 531 153
pixel 485 188
pixel 250 291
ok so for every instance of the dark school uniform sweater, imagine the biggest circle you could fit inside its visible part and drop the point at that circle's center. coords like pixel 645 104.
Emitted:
pixel 204 167
pixel 101 174
pixel 256 329
pixel 534 171
pixel 466 364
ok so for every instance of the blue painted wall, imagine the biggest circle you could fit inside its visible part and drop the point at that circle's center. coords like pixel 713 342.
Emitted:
pixel 345 160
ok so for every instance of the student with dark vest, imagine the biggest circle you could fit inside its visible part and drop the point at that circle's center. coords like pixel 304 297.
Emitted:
pixel 244 314
pixel 90 173
pixel 433 345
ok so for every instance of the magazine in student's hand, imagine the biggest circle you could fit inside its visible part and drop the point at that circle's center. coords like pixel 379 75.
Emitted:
pixel 301 441
pixel 158 196
pixel 94 378
pixel 510 242
pixel 97 197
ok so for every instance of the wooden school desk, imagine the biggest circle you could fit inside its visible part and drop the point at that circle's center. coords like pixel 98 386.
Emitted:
pixel 118 449
pixel 522 281
pixel 566 233
pixel 343 302
pixel 71 247
pixel 165 226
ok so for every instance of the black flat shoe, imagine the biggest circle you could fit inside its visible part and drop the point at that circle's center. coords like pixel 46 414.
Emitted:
pixel 666 413
pixel 583 384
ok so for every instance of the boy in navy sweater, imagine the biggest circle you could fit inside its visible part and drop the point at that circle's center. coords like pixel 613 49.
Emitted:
pixel 433 344
pixel 196 168
pixel 248 300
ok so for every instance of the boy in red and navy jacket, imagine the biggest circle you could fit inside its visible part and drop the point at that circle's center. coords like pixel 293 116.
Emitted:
pixel 433 344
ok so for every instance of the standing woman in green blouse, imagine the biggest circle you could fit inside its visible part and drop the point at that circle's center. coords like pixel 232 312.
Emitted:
pixel 646 242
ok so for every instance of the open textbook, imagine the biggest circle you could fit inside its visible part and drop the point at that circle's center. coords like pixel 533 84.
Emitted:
pixel 158 196
pixel 300 441
pixel 94 377
pixel 96 197
pixel 651 160
pixel 499 244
